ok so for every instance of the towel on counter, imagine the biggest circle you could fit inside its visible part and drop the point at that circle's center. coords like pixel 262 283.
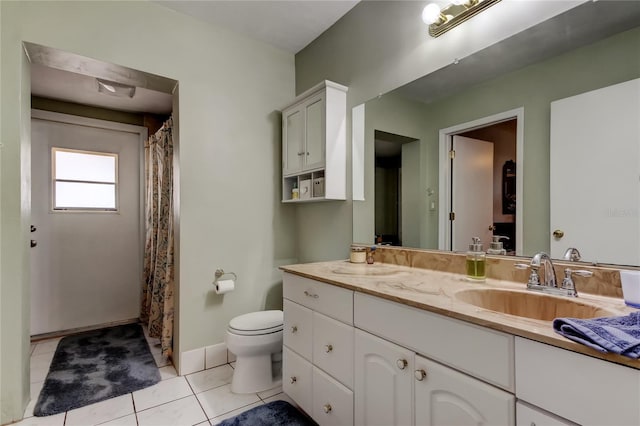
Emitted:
pixel 620 335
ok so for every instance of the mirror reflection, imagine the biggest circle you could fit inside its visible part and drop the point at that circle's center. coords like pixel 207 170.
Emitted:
pixel 502 95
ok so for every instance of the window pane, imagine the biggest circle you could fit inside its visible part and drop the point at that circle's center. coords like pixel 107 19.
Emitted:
pixel 83 166
pixel 85 195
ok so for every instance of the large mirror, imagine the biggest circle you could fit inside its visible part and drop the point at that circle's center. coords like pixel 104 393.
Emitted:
pixel 502 95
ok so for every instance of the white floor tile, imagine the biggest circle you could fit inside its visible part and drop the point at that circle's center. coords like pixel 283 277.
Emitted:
pixel 211 378
pixel 35 392
pixel 46 346
pixel 101 412
pixel 220 400
pixel 186 411
pixel 129 420
pixel 233 364
pixel 234 413
pixel 33 346
pixel 57 420
pixel 281 397
pixel 204 423
pixel 167 372
pixel 41 360
pixel 161 393
pixel 269 393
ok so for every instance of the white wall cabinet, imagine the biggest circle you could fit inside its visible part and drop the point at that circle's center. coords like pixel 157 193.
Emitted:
pixel 314 144
pixel 318 349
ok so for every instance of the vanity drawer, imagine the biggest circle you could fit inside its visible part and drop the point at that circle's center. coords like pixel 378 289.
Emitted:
pixel 335 302
pixel 297 331
pixel 332 402
pixel 527 415
pixel 586 390
pixel 333 348
pixel 480 352
pixel 297 376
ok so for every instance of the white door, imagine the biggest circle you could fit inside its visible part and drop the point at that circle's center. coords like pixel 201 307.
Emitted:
pixel 86 268
pixel 471 192
pixel 594 131
pixel 444 396
pixel 383 376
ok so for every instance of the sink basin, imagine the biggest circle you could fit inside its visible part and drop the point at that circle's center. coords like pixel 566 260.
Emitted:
pixel 531 305
pixel 365 269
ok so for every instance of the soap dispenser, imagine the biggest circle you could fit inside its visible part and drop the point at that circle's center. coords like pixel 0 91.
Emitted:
pixel 496 246
pixel 476 261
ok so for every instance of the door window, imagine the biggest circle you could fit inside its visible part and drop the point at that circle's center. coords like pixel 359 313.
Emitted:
pixel 84 180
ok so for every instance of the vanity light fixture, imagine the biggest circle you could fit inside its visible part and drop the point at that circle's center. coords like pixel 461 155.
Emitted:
pixel 442 20
pixel 115 89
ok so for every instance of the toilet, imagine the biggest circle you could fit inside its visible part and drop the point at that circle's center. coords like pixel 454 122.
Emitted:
pixel 256 341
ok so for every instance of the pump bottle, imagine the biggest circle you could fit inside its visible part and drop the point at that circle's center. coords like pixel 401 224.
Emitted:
pixel 496 246
pixel 476 261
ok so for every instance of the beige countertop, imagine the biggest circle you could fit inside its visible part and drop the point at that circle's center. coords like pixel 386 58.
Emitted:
pixel 436 292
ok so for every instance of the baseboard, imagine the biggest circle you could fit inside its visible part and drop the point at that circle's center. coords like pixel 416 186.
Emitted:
pixel 204 358
pixel 61 333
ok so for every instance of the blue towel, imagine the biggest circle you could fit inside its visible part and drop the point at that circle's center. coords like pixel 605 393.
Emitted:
pixel 620 335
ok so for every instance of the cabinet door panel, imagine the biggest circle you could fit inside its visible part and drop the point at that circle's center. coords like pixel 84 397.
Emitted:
pixel 297 328
pixel 314 150
pixel 527 415
pixel 333 348
pixel 382 389
pixel 448 397
pixel 293 129
pixel 296 379
pixel 332 402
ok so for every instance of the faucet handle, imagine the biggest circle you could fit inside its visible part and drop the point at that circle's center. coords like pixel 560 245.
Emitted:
pixel 567 282
pixel 521 266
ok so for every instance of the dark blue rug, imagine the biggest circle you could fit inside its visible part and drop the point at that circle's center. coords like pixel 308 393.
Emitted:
pixel 97 365
pixel 276 413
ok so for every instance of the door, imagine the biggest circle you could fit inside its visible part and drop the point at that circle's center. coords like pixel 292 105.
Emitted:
pixel 471 192
pixel 86 268
pixel 444 396
pixel 293 128
pixel 383 376
pixel 314 133
pixel 596 131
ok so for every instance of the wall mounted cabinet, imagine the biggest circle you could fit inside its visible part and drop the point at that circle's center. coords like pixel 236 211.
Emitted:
pixel 314 145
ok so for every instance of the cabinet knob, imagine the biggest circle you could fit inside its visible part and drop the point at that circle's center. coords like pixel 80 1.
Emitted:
pixel 402 364
pixel 328 348
pixel 34 243
pixel 533 423
pixel 33 228
pixel 420 375
pixel 301 153
pixel 312 295
pixel 293 379
pixel 326 408
pixel 294 329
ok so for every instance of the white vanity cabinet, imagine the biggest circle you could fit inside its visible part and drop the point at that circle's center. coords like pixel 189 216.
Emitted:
pixel 396 386
pixel 577 387
pixel 314 144
pixel 318 349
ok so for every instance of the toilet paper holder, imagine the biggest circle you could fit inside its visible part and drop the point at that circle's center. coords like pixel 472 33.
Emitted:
pixel 221 273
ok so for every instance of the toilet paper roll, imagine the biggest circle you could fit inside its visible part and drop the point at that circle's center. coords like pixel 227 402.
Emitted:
pixel 224 286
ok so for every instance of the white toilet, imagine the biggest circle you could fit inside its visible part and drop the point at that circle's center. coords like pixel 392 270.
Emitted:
pixel 256 341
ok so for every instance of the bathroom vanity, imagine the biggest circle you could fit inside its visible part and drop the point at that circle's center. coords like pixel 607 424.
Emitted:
pixel 390 344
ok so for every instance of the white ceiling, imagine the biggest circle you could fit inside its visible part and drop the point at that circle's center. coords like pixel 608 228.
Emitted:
pixel 288 25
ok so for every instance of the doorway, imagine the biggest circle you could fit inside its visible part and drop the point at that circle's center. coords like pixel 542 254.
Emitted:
pixel 470 208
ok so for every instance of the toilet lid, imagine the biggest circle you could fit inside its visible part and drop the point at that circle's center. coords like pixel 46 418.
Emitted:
pixel 261 322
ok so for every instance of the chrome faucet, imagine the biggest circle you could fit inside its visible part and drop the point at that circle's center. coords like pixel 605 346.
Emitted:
pixel 572 254
pixel 550 283
pixel 543 259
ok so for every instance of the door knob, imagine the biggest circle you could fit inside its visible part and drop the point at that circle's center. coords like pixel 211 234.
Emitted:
pixel 492 228
pixel 558 233
pixel 34 243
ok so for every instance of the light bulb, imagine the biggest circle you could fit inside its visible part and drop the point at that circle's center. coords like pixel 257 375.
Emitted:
pixel 431 14
pixel 459 2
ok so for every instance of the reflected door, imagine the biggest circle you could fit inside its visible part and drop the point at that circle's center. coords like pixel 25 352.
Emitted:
pixel 471 192
pixel 597 213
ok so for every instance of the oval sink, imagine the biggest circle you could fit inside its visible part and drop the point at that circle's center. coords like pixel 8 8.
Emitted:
pixel 364 269
pixel 532 305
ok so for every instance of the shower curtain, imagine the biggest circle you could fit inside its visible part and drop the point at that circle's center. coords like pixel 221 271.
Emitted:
pixel 158 286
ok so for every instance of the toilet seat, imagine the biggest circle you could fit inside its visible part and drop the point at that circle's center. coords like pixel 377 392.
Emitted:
pixel 257 323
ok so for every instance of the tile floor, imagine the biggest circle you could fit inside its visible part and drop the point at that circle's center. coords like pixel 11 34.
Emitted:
pixel 202 398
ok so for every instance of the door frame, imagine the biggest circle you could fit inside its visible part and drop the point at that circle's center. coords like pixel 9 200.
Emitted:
pixel 444 167
pixel 142 133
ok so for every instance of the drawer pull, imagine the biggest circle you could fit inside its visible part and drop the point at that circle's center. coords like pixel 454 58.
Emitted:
pixel 420 375
pixel 294 329
pixel 327 408
pixel 402 364
pixel 306 293
pixel 293 379
pixel 328 348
